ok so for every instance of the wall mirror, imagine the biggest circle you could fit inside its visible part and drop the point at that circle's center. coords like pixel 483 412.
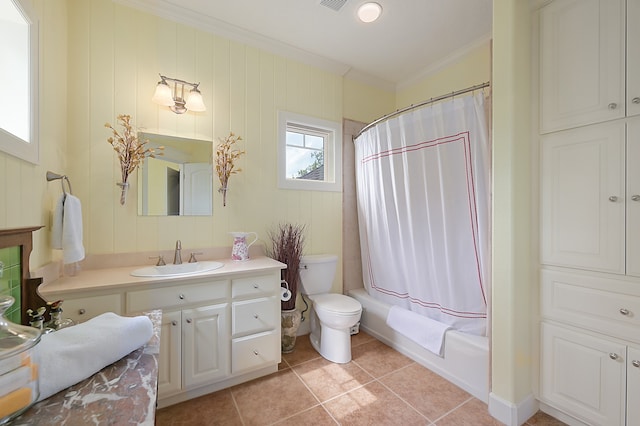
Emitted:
pixel 179 182
pixel 19 75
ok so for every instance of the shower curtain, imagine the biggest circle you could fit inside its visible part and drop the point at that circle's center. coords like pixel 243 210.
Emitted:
pixel 423 191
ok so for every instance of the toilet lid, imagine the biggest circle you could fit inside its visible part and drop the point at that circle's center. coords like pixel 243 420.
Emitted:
pixel 337 304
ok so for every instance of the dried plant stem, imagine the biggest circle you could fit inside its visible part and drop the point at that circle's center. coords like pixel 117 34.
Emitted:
pixel 287 245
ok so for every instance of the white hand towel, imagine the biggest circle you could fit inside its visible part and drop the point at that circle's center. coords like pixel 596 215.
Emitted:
pixel 72 354
pixel 425 331
pixel 56 226
pixel 72 248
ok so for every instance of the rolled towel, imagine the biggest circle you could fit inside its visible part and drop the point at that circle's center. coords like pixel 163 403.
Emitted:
pixel 72 354
pixel 425 331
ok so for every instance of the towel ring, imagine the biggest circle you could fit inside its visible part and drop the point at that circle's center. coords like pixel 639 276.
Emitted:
pixel 55 176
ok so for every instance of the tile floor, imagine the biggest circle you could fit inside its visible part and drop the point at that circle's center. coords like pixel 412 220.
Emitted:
pixel 379 386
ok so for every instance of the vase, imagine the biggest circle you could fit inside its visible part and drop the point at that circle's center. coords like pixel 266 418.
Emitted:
pixel 223 191
pixel 123 194
pixel 290 322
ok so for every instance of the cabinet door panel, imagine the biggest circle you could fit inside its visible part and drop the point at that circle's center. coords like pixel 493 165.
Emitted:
pixel 580 376
pixel 205 344
pixel 581 63
pixel 582 198
pixel 633 197
pixel 170 363
pixel 633 57
pixel 633 386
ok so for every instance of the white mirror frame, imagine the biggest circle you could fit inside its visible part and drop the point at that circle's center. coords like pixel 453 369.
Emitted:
pixel 10 143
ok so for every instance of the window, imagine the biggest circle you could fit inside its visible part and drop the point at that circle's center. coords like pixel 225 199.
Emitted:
pixel 309 153
pixel 19 47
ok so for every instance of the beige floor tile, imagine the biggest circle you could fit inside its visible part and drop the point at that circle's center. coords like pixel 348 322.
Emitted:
pixel 378 359
pixel 271 398
pixel 316 416
pixel 327 379
pixel 543 419
pixel 472 413
pixel 302 352
pixel 373 404
pixel 214 409
pixel 360 338
pixel 425 391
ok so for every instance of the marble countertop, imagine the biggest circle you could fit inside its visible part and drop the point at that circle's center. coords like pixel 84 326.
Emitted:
pixel 124 392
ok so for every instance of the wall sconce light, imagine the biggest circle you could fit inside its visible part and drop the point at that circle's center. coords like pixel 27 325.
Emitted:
pixel 175 99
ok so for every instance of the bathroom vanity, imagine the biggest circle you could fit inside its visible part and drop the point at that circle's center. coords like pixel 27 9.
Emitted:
pixel 219 328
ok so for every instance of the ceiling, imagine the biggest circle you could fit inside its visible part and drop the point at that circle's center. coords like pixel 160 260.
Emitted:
pixel 411 39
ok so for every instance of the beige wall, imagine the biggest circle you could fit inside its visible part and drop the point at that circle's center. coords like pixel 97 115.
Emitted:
pixel 115 56
pixel 26 196
pixel 469 70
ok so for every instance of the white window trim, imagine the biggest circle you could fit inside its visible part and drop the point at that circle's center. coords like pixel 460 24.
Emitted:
pixel 333 156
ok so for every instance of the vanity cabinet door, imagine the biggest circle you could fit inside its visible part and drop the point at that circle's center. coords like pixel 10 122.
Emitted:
pixel 170 363
pixel 205 344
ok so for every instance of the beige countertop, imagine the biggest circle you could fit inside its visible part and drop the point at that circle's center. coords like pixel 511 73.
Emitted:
pixel 119 277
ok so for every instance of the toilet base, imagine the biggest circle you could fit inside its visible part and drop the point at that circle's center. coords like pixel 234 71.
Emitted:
pixel 334 345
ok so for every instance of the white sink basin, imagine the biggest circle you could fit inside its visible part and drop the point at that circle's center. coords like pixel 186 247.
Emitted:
pixel 177 270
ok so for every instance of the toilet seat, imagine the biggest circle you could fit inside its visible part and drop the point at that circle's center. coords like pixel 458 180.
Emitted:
pixel 337 304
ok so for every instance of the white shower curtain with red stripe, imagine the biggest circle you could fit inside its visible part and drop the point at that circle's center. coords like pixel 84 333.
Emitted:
pixel 423 188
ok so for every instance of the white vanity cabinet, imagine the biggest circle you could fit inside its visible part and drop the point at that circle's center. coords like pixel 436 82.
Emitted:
pixel 219 328
pixel 255 324
pixel 197 349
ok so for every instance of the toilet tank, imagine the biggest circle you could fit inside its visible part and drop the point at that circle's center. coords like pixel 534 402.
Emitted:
pixel 317 272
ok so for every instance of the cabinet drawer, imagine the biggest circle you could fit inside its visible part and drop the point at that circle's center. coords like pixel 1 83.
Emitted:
pixel 168 297
pixel 262 285
pixel 85 308
pixel 255 315
pixel 592 302
pixel 255 351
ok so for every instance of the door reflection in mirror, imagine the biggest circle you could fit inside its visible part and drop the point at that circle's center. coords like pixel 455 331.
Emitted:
pixel 178 182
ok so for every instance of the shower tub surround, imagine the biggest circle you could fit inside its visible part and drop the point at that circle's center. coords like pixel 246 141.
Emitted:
pixel 219 328
pixel 123 392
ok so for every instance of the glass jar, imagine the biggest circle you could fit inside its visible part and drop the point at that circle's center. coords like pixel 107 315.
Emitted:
pixel 18 369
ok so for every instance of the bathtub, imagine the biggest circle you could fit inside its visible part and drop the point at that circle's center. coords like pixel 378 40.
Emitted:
pixel 466 357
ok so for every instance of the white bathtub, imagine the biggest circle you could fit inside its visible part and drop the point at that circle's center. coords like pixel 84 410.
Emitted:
pixel 466 357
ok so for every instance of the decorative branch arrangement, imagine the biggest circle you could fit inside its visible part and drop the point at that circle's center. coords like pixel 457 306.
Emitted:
pixel 225 166
pixel 287 245
pixel 130 151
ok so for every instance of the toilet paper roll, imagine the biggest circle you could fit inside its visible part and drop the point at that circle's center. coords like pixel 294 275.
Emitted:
pixel 285 294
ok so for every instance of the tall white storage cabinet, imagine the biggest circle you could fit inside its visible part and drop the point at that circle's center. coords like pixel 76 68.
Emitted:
pixel 589 125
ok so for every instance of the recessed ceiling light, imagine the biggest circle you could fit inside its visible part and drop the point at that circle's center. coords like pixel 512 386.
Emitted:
pixel 369 12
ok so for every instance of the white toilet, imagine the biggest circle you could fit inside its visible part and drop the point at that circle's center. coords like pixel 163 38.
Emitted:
pixel 334 314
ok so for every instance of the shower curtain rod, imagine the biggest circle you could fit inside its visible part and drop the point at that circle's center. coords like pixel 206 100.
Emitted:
pixel 430 101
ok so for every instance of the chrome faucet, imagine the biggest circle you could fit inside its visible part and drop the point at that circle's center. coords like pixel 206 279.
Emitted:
pixel 177 258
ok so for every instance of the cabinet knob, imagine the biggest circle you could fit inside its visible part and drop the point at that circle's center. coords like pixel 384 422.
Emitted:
pixel 255 316
pixel 189 320
pixel 81 311
pixel 174 323
pixel 613 198
pixel 635 363
pixel 624 311
pixel 612 106
pixel 635 197
pixel 256 286
pixel 613 356
pixel 636 100
pixel 181 297
pixel 255 352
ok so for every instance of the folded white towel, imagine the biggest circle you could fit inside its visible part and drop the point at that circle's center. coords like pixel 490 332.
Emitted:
pixel 425 331
pixel 72 354
pixel 66 232
pixel 56 226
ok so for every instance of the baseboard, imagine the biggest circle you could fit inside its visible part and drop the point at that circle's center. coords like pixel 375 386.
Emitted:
pixel 512 414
